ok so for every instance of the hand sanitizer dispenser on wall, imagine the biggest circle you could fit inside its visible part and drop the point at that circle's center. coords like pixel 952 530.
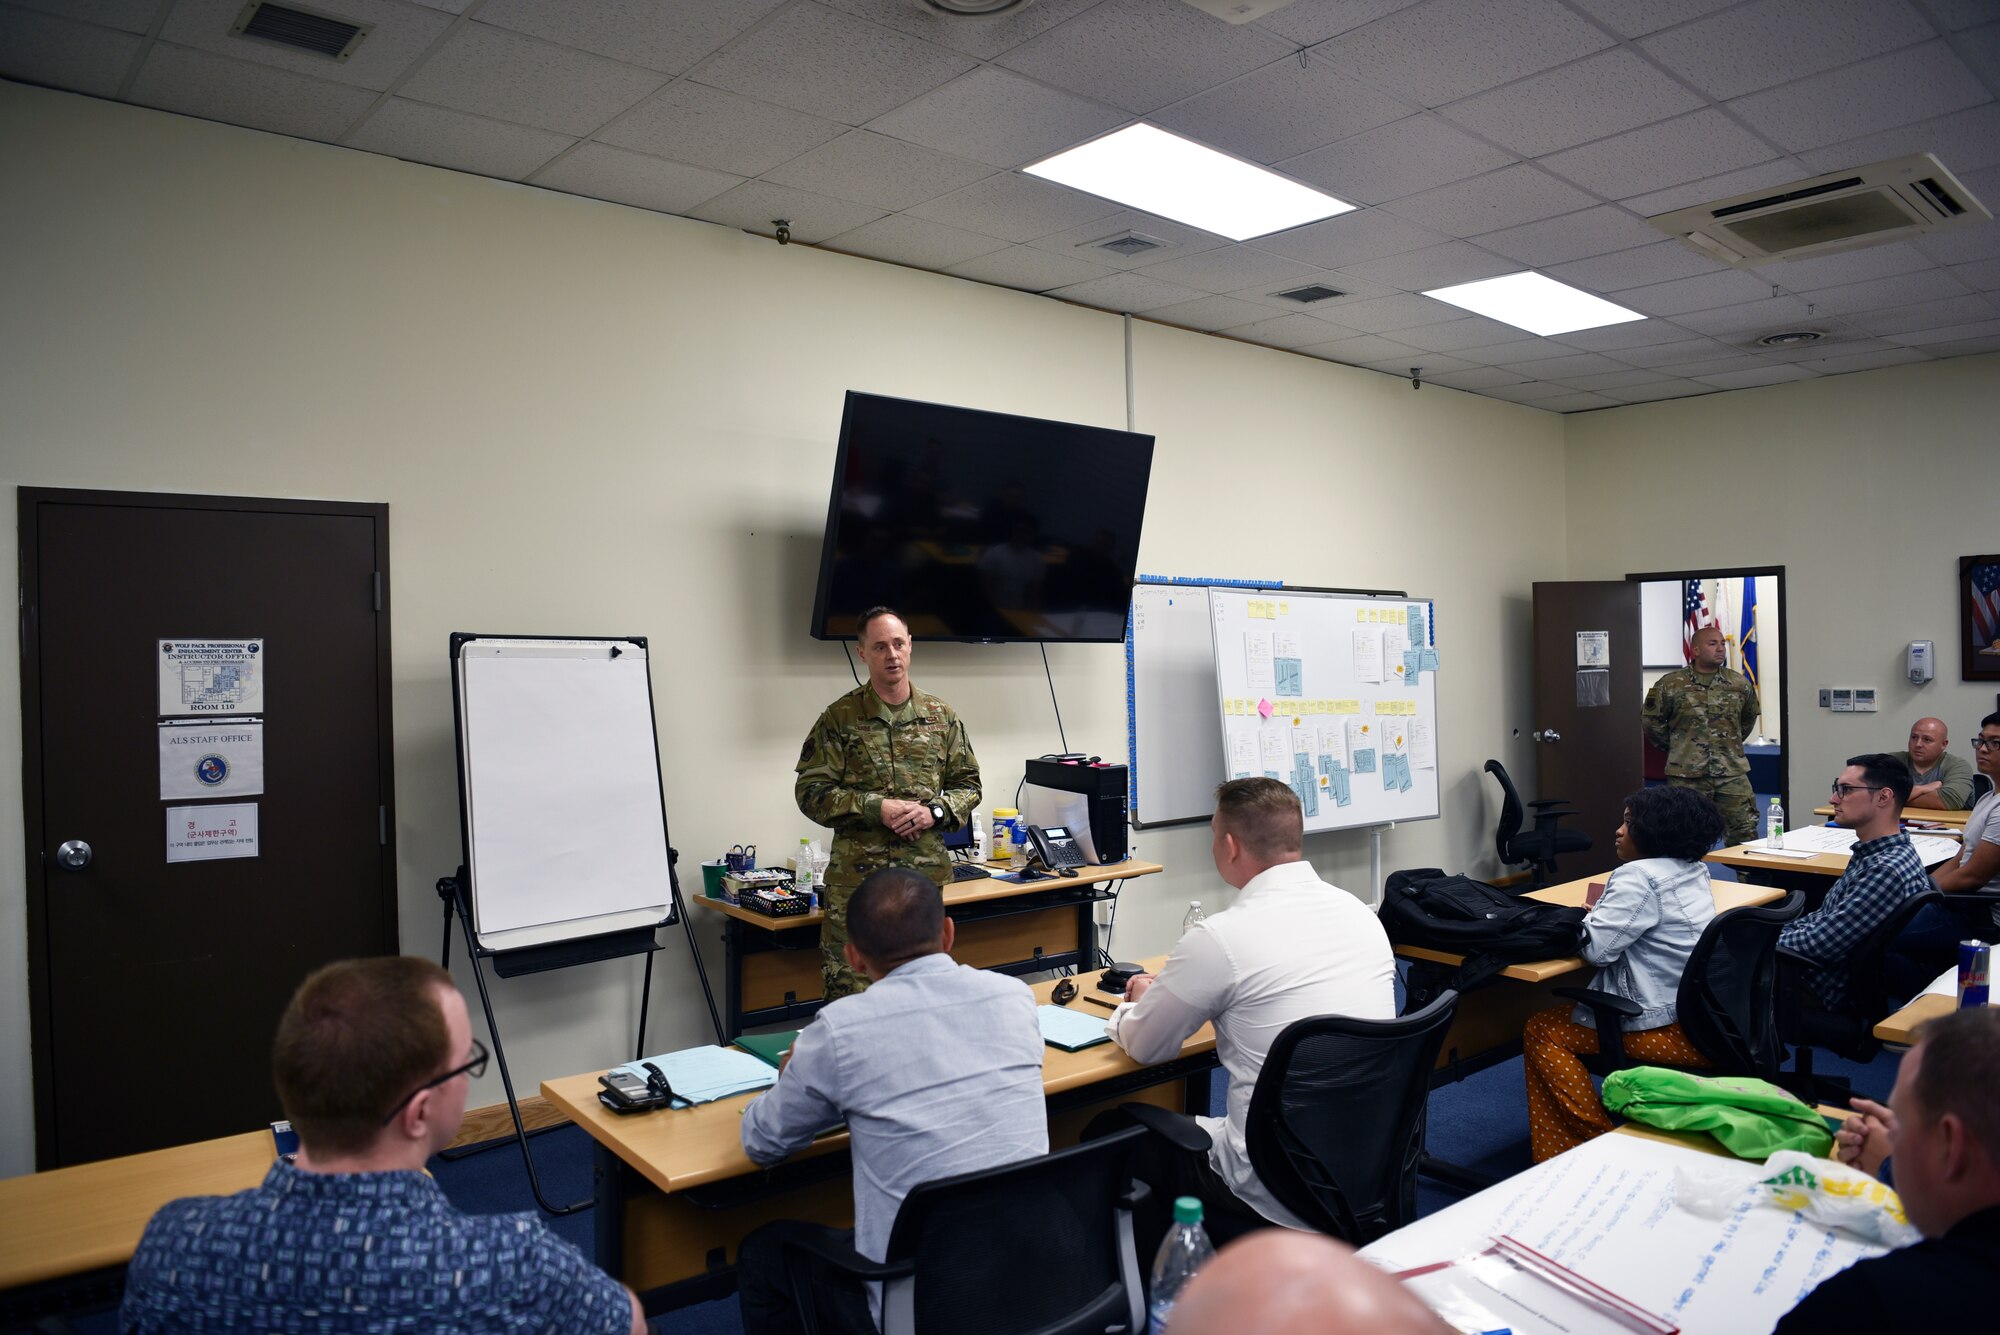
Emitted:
pixel 1921 662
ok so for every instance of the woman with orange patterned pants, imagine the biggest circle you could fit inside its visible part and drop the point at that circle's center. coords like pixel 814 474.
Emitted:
pixel 1640 935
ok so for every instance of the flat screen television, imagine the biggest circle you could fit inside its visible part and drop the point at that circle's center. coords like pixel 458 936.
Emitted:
pixel 980 526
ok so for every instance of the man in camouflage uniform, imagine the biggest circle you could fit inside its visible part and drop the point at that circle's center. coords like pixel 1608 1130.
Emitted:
pixel 1699 715
pixel 889 768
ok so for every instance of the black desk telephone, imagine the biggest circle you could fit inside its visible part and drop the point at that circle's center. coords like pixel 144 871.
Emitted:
pixel 1056 848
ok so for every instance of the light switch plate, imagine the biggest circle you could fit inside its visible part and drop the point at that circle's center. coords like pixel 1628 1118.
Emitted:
pixel 1826 697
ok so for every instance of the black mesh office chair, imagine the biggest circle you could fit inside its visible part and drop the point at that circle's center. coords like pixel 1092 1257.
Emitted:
pixel 1981 786
pixel 1039 1247
pixel 1727 1001
pixel 1806 1023
pixel 1537 848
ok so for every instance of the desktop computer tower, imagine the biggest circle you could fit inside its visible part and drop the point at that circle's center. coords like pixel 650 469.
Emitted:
pixel 1103 789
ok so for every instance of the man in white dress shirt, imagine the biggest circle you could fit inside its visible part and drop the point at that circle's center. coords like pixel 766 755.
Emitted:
pixel 1290 947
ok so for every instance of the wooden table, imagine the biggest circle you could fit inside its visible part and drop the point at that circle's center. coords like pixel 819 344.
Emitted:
pixel 1934 815
pixel 1814 875
pixel 68 1232
pixel 1900 1027
pixel 676 1193
pixel 771 967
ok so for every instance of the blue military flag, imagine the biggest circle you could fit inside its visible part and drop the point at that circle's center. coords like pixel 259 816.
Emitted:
pixel 1747 641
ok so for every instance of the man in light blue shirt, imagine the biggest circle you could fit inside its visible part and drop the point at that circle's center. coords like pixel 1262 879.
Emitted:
pixel 936 1069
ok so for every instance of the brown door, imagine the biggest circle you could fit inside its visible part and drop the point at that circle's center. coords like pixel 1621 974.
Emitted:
pixel 1588 732
pixel 156 985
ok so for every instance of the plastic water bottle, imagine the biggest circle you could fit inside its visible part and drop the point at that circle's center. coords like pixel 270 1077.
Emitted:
pixel 1184 1250
pixel 1774 830
pixel 802 868
pixel 1194 915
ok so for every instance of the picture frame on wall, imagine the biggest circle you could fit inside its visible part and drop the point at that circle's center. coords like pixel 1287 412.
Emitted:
pixel 1979 616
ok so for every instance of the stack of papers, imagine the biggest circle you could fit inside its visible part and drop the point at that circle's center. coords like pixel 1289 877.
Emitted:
pixel 1070 1030
pixel 703 1075
pixel 1835 841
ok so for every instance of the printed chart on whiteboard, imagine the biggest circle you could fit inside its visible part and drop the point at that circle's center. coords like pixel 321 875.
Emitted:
pixel 1335 695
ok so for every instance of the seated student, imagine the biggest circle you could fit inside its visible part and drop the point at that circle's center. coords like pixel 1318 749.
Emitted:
pixel 1978 867
pixel 1639 935
pixel 1883 871
pixel 1290 947
pixel 1278 1280
pixel 372 1061
pixel 1937 778
pixel 937 1070
pixel 1942 1127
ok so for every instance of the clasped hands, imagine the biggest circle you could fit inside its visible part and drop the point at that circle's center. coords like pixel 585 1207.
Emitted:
pixel 1864 1140
pixel 906 819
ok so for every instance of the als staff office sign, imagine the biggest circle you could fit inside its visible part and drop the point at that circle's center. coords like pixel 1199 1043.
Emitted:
pixel 211 677
pixel 202 759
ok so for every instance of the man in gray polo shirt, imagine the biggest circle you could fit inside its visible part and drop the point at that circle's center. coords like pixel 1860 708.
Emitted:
pixel 1943 780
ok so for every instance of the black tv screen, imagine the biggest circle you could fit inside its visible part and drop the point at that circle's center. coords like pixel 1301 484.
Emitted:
pixel 980 526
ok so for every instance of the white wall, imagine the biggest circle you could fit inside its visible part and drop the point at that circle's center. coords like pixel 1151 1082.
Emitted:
pixel 588 418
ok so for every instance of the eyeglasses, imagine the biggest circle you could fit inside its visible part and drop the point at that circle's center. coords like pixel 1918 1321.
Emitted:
pixel 474 1068
pixel 1843 789
pixel 1986 743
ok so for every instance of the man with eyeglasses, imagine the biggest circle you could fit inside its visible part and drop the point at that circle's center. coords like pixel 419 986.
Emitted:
pixel 1882 872
pixel 372 1062
pixel 1978 867
pixel 1939 779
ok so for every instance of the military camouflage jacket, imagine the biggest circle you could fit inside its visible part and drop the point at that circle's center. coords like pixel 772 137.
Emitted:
pixel 862 750
pixel 1700 721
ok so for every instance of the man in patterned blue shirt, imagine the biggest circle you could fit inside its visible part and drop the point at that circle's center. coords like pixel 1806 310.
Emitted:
pixel 372 1062
pixel 1882 872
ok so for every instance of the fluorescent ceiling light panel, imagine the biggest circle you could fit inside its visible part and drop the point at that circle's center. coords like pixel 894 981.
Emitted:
pixel 1147 168
pixel 1534 303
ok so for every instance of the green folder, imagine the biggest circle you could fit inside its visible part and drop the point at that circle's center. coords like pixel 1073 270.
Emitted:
pixel 769 1047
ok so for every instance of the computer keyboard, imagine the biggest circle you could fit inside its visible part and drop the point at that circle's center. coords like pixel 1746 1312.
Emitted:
pixel 968 871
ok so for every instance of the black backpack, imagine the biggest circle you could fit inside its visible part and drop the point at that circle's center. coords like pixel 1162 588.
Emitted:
pixel 1425 907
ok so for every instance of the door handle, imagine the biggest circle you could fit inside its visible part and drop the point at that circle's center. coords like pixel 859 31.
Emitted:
pixel 74 855
pixel 1546 735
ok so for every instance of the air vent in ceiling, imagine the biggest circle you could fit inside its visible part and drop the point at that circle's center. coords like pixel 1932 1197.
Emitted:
pixel 1126 243
pixel 974 9
pixel 1310 293
pixel 300 29
pixel 1884 201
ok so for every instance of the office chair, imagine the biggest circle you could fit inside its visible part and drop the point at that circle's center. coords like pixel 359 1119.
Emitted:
pixel 1727 1001
pixel 1539 847
pixel 1981 785
pixel 1039 1247
pixel 1805 1023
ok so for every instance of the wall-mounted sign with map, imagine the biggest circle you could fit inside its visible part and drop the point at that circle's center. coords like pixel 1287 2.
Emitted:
pixel 211 677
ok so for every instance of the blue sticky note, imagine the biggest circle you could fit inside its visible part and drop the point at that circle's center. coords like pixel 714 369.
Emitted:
pixel 1342 792
pixel 1291 677
pixel 1413 665
pixel 1430 660
pixel 1364 760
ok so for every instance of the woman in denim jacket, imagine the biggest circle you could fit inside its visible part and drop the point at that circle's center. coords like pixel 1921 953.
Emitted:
pixel 1639 936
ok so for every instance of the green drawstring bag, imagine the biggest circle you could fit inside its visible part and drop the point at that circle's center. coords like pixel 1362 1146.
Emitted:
pixel 1753 1119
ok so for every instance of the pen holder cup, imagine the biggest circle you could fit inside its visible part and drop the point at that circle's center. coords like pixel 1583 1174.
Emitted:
pixel 745 861
pixel 711 877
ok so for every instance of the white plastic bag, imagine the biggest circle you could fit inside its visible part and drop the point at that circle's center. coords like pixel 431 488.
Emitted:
pixel 1825 1192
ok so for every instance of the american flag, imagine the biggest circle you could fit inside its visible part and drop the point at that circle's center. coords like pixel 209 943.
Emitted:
pixel 1986 603
pixel 1694 615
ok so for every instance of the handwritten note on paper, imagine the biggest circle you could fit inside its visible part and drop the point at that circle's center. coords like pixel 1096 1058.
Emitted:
pixel 1306 785
pixel 1395 641
pixel 1257 661
pixel 1423 746
pixel 1368 653
pixel 1414 615
pixel 1430 657
pixel 1413 666
pixel 1277 752
pixel 1242 755
pixel 1333 744
pixel 1342 788
pixel 1291 677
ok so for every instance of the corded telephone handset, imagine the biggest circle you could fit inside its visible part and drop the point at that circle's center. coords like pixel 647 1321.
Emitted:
pixel 1056 848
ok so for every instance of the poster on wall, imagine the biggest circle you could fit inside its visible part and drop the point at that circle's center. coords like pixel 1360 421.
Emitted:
pixel 212 759
pixel 211 676
pixel 204 834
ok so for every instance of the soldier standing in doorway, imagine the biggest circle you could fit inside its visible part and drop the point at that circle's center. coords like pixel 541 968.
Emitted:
pixel 1699 715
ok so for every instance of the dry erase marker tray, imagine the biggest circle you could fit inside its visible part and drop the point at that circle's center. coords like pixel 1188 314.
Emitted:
pixel 775 903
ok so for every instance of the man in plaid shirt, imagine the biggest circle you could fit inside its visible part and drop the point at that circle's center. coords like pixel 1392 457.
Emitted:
pixel 1884 870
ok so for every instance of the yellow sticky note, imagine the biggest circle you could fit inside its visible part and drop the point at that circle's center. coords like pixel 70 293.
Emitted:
pixel 1284 609
pixel 1360 614
pixel 1347 706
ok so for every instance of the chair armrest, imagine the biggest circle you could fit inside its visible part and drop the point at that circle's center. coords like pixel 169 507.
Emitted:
pixel 1610 1012
pixel 845 1258
pixel 1135 1194
pixel 1789 956
pixel 1549 802
pixel 1177 1129
pixel 1543 819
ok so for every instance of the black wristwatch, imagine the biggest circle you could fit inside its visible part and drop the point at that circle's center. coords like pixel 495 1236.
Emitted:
pixel 938 813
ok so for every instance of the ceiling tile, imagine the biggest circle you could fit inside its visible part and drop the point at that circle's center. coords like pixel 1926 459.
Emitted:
pixel 1310 22
pixel 1636 18
pixel 1671 389
pixel 1737 360
pixel 1211 313
pixel 1687 148
pixel 1575 363
pixel 1291 331
pixel 1657 263
pixel 1429 363
pixel 984 37
pixel 1923 315
pixel 1865 361
pixel 1849 267
pixel 1444 50
pixel 1673 356
pixel 1963 141
pixel 124 15
pixel 401 36
pixel 1456 335
pixel 1014 207
pixel 640 32
pixel 1505 198
pixel 723 131
pixel 832 65
pixel 1980 275
pixel 1617 338
pixel 1776 41
pixel 1080 241
pixel 1878 294
pixel 993 116
pixel 1227 268
pixel 1361 351
pixel 1126 292
pixel 1282 110
pixel 1767 375
pixel 1956 14
pixel 1950 333
pixel 1531 392
pixel 1597 96
pixel 874 169
pixel 813 218
pixel 410 130
pixel 914 242
pixel 1910 85
pixel 1616 380
pixel 1383 315
pixel 1965 347
pixel 1399 158
pixel 1524 347
pixel 1352 238
pixel 1433 267
pixel 1576 403
pixel 1980 49
pixel 1027 268
pixel 1350 288
pixel 1777 171
pixel 1185 52
pixel 1767 315
pixel 500 74
pixel 1478 378
pixel 602 172
pixel 1699 293
pixel 194 83
pixel 1975 241
pixel 81 57
pixel 1571 236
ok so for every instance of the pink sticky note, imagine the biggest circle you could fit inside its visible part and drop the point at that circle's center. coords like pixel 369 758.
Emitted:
pixel 1264 708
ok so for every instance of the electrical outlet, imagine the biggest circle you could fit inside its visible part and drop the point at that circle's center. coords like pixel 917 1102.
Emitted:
pixel 1843 700
pixel 1864 699
pixel 1826 697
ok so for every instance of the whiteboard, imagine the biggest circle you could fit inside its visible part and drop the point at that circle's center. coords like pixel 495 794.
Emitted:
pixel 559 788
pixel 1333 694
pixel 1173 749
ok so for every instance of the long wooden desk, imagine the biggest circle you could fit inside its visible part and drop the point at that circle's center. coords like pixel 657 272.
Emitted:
pixel 1901 1027
pixel 676 1194
pixel 1814 875
pixel 1934 815
pixel 69 1232
pixel 771 969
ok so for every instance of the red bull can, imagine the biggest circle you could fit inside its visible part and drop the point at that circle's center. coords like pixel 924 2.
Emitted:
pixel 1975 962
